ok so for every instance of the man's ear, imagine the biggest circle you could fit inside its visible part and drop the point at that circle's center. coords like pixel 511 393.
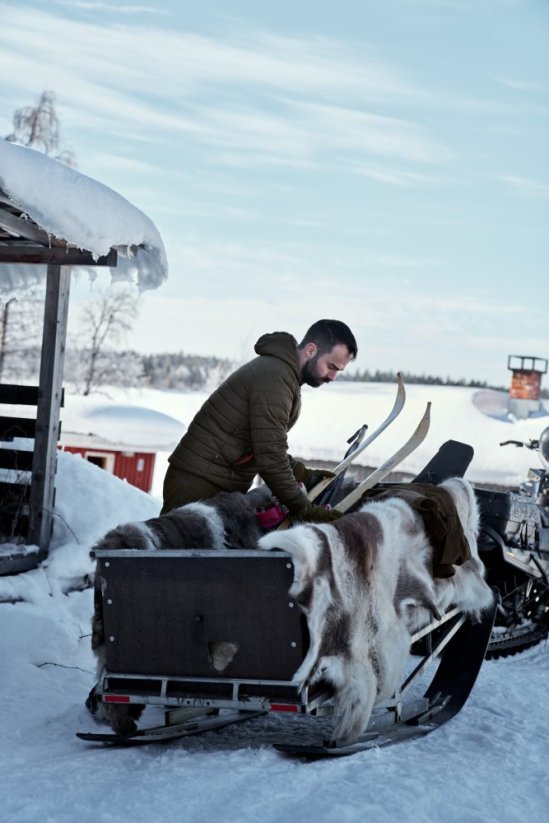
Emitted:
pixel 310 350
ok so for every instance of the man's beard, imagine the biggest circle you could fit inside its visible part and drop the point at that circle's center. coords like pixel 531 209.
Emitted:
pixel 309 373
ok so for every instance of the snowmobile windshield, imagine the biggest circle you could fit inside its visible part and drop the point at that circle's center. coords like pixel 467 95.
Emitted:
pixel 544 447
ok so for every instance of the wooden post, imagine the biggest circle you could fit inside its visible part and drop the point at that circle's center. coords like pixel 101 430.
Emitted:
pixel 49 401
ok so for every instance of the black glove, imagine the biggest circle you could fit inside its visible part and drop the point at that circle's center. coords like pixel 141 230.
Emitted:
pixel 309 477
pixel 316 514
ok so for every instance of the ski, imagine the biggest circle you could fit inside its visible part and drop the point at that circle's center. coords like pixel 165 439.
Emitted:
pixel 157 734
pixel 386 468
pixel 395 411
pixel 329 494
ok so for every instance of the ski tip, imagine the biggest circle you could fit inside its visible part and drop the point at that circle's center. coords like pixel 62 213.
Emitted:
pixel 427 414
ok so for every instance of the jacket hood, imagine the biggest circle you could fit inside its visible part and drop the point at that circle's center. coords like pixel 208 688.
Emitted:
pixel 282 345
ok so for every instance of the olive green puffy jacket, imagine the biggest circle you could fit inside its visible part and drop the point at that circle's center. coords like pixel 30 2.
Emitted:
pixel 241 430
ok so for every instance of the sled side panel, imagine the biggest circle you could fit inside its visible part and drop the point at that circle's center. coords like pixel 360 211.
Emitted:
pixel 167 612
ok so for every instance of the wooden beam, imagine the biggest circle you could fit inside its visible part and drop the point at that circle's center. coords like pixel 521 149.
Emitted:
pixel 21 252
pixel 20 461
pixel 11 427
pixel 17 395
pixel 49 402
pixel 25 228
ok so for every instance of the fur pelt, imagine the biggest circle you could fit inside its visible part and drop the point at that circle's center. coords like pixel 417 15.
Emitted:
pixel 365 584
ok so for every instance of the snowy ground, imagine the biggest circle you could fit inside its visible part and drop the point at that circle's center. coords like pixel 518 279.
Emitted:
pixel 329 416
pixel 488 764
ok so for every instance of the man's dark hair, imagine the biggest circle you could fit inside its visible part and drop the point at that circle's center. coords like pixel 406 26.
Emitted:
pixel 327 334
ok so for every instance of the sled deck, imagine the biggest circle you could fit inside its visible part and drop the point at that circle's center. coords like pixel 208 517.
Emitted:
pixel 212 638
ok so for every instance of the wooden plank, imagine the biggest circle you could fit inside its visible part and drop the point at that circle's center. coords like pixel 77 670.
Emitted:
pixel 15 459
pixel 18 395
pixel 18 252
pixel 22 395
pixel 49 400
pixel 165 614
pixel 26 228
pixel 17 427
pixel 13 492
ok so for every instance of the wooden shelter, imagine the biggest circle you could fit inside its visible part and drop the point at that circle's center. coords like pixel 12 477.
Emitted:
pixel 52 217
pixel 22 241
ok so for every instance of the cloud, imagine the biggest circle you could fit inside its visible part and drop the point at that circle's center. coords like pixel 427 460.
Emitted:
pixel 187 62
pixel 523 85
pixel 110 8
pixel 396 177
pixel 145 80
pixel 120 163
pixel 523 185
pixel 361 131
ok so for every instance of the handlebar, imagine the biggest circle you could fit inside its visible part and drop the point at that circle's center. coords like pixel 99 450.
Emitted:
pixel 533 444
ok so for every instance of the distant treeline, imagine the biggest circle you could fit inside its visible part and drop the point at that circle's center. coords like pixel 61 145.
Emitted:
pixel 177 370
pixel 126 369
pixel 379 376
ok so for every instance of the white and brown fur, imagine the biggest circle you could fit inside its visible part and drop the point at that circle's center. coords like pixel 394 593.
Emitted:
pixel 365 585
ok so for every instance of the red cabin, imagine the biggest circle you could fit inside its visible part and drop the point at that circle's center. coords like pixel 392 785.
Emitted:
pixel 124 440
pixel 135 467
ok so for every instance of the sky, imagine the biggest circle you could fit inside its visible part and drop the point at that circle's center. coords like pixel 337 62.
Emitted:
pixel 384 162
pixel 465 772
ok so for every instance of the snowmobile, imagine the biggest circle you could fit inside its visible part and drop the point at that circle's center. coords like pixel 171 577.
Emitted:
pixel 514 547
pixel 163 608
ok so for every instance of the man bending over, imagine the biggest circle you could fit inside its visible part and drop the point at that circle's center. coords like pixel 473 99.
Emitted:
pixel 241 430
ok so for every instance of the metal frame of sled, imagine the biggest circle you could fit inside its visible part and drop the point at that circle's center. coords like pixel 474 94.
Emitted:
pixel 163 610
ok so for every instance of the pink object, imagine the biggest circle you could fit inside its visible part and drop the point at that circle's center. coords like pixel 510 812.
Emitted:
pixel 269 518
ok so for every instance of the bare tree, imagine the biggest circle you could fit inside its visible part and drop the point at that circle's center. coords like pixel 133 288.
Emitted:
pixel 21 320
pixel 4 318
pixel 38 127
pixel 104 322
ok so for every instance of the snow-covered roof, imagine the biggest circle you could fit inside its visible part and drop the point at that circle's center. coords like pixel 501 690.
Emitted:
pixel 84 213
pixel 118 426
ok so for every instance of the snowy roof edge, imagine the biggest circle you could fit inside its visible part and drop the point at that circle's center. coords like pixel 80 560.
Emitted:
pixel 83 212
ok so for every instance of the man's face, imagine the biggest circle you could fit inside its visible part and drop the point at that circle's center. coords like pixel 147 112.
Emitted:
pixel 323 368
